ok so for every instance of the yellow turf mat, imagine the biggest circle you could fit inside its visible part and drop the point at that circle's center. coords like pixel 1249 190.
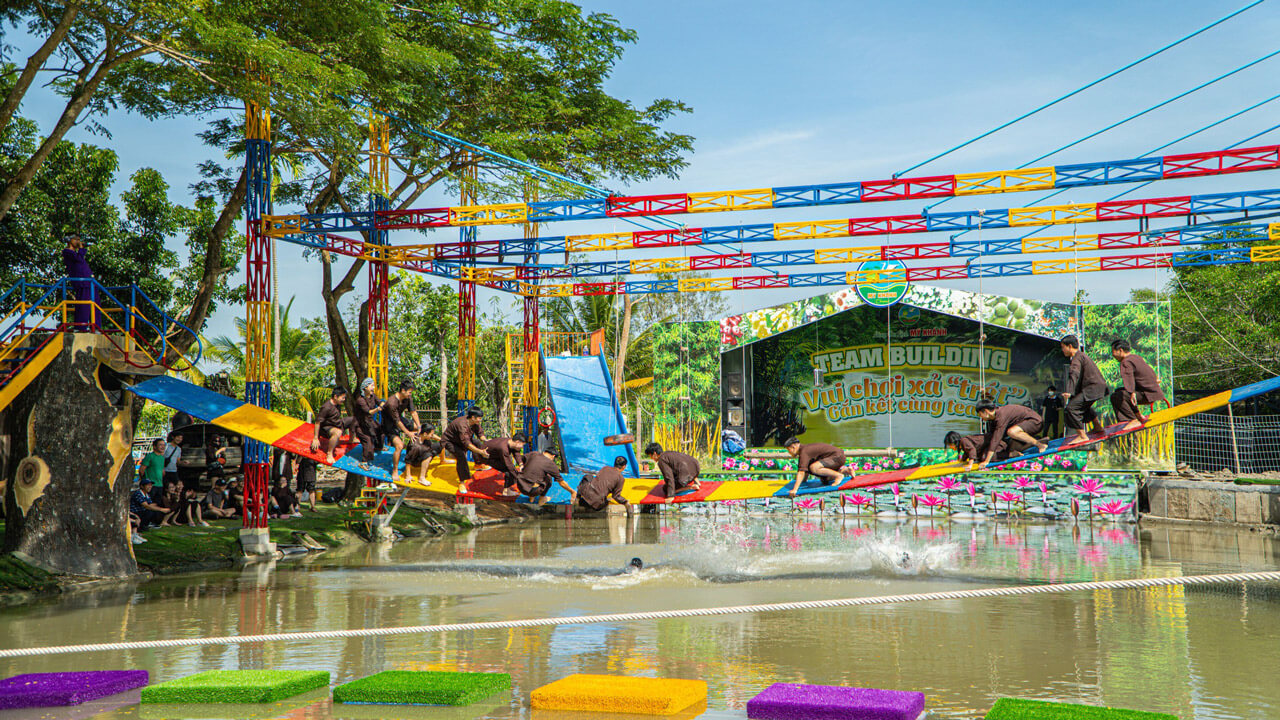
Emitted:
pixel 610 693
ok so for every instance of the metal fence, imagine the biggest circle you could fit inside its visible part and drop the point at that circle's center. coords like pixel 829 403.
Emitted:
pixel 1206 442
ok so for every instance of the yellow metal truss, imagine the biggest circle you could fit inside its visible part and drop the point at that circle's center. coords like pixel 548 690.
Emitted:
pixel 379 366
pixel 1059 243
pixel 1040 178
pixel 1053 214
pixel 379 153
pixel 1273 231
pixel 281 225
pixel 472 273
pixel 599 241
pixel 704 284
pixel 552 290
pixel 811 230
pixel 1264 253
pixel 844 255
pixel 257 341
pixel 731 200
pixel 515 368
pixel 660 265
pixel 882 275
pixel 501 214
pixel 1066 265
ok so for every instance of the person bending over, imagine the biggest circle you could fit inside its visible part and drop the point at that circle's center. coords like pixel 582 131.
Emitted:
pixel 537 474
pixel 1084 387
pixel 461 436
pixel 594 491
pixel 679 471
pixel 967 447
pixel 1019 423
pixel 422 448
pixel 396 409
pixel 331 424
pixel 502 454
pixel 819 459
pixel 1140 386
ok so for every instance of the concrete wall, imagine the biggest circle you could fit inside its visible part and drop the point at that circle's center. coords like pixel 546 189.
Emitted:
pixel 1215 502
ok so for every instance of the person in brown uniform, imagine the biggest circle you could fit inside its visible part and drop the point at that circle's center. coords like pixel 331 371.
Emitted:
pixel 819 459
pixel 503 455
pixel 537 474
pixel 367 406
pixel 967 447
pixel 1140 386
pixel 679 471
pixel 395 409
pixel 595 490
pixel 1019 423
pixel 423 446
pixel 1084 387
pixel 330 424
pixel 461 435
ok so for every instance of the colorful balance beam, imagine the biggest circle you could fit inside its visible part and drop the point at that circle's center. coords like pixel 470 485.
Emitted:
pixel 1016 709
pixel 60 689
pixel 236 686
pixel 409 687
pixel 789 701
pixel 608 693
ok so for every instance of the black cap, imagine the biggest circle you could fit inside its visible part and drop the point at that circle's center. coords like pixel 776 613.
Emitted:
pixel 146 481
pixel 791 441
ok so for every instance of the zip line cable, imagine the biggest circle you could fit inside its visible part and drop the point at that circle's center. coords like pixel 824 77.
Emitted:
pixel 997 592
pixel 1082 88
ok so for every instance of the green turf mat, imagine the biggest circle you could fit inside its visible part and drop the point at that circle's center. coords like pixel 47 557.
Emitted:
pixel 1014 709
pixel 1256 481
pixel 413 687
pixel 236 686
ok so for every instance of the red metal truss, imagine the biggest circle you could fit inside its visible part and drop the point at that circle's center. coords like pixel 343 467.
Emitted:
pixel 761 281
pixel 717 262
pixel 1111 241
pixel 888 224
pixel 1151 207
pixel 917 251
pixel 618 206
pixel 909 188
pixel 666 238
pixel 1134 262
pixel 1221 162
pixel 604 288
pixel 411 219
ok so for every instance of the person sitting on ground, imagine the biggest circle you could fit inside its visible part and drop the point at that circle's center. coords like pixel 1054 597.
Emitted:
pixel 285 501
pixel 423 447
pixel 215 458
pixel 503 455
pixel 537 474
pixel 968 448
pixel 172 454
pixel 1084 387
pixel 463 435
pixel 679 471
pixel 306 472
pixel 235 497
pixel 1017 424
pixel 820 459
pixel 149 513
pixel 152 465
pixel 399 420
pixel 171 501
pixel 215 502
pixel 595 490
pixel 134 523
pixel 1139 386
pixel 189 511
pixel 331 424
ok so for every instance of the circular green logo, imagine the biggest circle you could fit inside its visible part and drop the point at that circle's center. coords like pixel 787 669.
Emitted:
pixel 890 290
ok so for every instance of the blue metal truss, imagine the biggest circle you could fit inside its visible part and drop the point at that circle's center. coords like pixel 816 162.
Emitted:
pixel 1104 173
pixel 829 194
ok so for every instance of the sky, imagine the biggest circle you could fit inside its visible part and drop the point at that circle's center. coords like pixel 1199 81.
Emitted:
pixel 814 92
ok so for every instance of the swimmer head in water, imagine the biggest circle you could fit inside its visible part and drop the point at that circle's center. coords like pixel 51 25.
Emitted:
pixel 635 565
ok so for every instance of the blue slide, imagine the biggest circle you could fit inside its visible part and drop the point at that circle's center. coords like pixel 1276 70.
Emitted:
pixel 581 392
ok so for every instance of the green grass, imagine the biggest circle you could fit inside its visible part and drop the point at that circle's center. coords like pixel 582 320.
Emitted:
pixel 236 686
pixel 19 577
pixel 410 687
pixel 1013 709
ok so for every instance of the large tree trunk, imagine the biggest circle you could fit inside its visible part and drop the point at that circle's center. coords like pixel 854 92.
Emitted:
pixel 65 446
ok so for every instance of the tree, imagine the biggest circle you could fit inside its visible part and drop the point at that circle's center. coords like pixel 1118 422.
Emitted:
pixel 304 363
pixel 1226 325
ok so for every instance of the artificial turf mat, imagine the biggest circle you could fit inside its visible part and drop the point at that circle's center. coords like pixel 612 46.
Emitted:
pixel 609 693
pixel 792 701
pixel 236 686
pixel 67 688
pixel 413 687
pixel 1016 709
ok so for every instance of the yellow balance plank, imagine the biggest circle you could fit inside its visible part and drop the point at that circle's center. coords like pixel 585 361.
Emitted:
pixel 258 423
pixel 609 693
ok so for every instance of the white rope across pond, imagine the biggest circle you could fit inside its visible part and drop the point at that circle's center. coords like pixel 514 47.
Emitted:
pixel 1021 590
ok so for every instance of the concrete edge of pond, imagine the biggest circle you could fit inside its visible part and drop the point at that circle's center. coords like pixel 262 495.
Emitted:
pixel 1176 500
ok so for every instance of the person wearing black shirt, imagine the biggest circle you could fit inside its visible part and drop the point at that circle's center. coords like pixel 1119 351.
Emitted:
pixel 330 424
pixel 595 490
pixel 1084 387
pixel 1051 411
pixel 820 459
pixel 463 435
pixel 679 471
pixel 399 420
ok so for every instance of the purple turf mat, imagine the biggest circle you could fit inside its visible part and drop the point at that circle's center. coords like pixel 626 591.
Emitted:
pixel 790 701
pixel 67 688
